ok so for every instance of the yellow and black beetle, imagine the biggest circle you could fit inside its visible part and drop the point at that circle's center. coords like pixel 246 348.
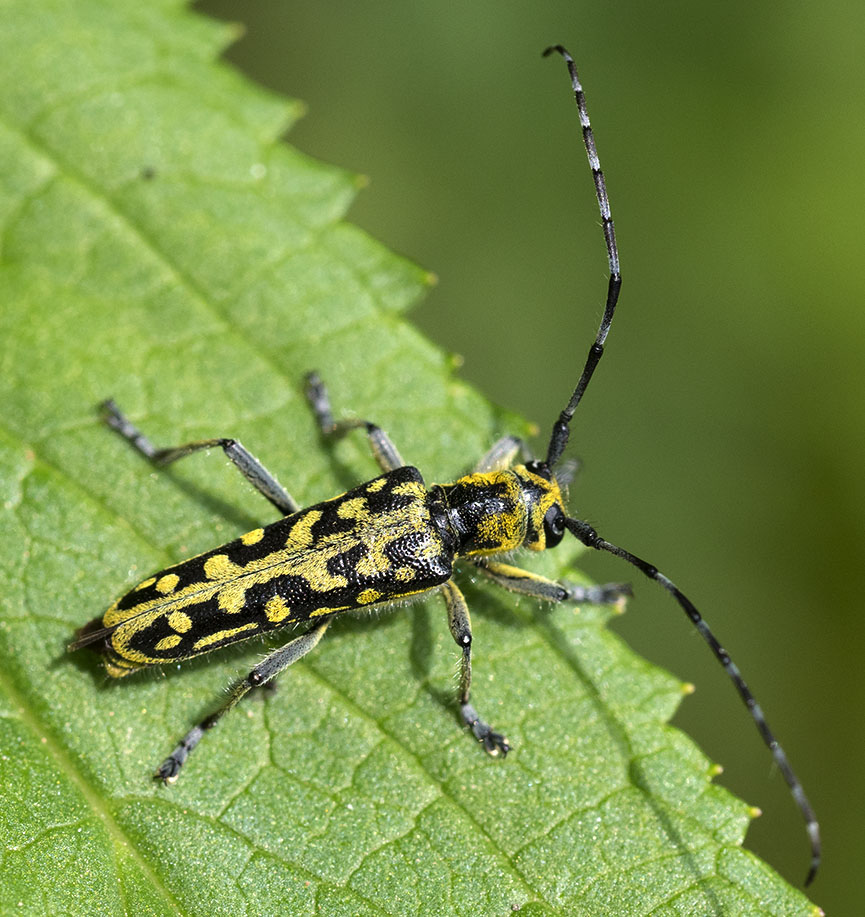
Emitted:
pixel 388 539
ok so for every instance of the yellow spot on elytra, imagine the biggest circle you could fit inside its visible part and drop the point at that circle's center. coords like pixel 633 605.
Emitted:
pixel 222 635
pixel 354 508
pixel 301 532
pixel 168 643
pixel 368 596
pixel 232 598
pixel 409 488
pixel 404 574
pixel 220 567
pixel 375 486
pixel 276 609
pixel 146 584
pixel 252 537
pixel 374 561
pixel 179 621
pixel 167 583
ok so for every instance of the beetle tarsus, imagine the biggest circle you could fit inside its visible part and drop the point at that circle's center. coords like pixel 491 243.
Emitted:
pixel 494 743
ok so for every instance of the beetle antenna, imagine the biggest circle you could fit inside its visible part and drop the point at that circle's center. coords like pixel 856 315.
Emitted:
pixel 561 428
pixel 589 537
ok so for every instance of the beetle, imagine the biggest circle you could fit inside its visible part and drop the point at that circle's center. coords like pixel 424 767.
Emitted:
pixel 384 541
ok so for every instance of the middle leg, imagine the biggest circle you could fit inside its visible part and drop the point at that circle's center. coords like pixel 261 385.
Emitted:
pixel 385 452
pixel 461 630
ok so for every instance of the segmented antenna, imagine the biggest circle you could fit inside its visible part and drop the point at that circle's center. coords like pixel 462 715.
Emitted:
pixel 561 428
pixel 589 537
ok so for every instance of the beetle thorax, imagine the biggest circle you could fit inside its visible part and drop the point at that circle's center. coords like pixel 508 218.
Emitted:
pixel 499 511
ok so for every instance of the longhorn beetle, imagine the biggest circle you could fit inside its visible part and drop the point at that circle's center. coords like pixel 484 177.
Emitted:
pixel 385 540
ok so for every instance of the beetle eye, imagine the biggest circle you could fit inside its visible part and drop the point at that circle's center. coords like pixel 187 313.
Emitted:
pixel 554 526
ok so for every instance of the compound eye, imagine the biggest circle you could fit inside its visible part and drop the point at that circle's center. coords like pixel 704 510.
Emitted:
pixel 554 526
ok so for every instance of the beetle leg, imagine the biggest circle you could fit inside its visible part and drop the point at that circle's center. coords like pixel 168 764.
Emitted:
pixel 461 630
pixel 267 669
pixel 248 465
pixel 385 452
pixel 526 583
pixel 501 455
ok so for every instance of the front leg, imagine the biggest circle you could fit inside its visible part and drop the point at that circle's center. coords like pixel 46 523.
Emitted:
pixel 461 630
pixel 524 582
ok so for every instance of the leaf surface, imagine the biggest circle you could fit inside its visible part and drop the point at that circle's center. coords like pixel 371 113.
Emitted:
pixel 160 245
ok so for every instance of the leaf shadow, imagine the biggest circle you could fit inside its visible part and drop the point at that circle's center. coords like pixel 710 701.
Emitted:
pixel 242 519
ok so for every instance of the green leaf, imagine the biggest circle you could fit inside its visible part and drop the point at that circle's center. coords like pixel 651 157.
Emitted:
pixel 160 245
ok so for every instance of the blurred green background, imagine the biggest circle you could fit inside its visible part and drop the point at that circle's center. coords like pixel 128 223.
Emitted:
pixel 722 436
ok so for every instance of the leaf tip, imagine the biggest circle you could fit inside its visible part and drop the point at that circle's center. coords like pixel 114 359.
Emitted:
pixel 294 110
pixel 227 33
pixel 455 361
pixel 235 30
